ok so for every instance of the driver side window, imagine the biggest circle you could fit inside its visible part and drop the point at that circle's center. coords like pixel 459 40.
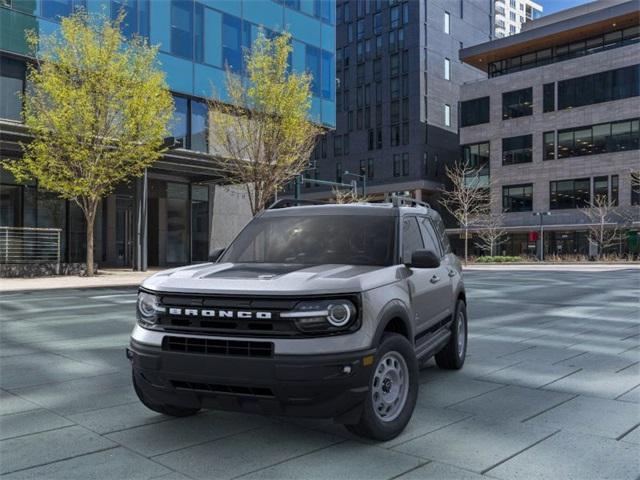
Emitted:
pixel 430 239
pixel 411 238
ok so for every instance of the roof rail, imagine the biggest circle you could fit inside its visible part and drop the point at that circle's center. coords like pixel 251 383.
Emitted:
pixel 293 202
pixel 403 200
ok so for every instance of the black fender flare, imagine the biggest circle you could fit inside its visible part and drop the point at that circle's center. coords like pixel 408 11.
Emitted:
pixel 393 309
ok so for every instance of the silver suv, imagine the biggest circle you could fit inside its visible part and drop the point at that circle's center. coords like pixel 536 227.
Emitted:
pixel 315 311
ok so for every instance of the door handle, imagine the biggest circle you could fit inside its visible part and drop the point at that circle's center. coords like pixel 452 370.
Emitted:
pixel 452 273
pixel 435 279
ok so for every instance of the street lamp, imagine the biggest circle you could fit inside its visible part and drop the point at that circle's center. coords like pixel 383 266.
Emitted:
pixel 541 215
pixel 364 181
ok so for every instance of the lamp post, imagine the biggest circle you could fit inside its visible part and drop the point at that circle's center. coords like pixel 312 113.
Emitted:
pixel 541 215
pixel 364 181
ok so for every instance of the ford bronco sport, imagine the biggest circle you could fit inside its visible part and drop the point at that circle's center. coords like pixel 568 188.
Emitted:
pixel 315 311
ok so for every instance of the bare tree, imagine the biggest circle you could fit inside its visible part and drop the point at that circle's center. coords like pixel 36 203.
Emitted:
pixel 606 221
pixel 492 233
pixel 348 196
pixel 467 199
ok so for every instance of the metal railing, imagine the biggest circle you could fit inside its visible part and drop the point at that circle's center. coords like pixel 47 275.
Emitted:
pixel 30 245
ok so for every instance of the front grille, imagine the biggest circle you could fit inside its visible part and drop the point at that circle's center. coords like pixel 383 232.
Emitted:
pixel 229 389
pixel 207 346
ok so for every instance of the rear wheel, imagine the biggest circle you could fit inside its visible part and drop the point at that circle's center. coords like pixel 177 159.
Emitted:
pixel 393 390
pixel 171 410
pixel 452 356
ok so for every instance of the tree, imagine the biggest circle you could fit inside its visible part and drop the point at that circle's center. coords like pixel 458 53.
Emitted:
pixel 262 133
pixel 98 108
pixel 342 196
pixel 491 233
pixel 467 197
pixel 605 222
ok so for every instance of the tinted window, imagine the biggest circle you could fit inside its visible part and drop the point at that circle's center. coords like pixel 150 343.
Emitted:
pixel 182 28
pixel 12 73
pixel 516 149
pixel 599 87
pixel 430 238
pixel 569 193
pixel 549 97
pixel 517 198
pixel 231 42
pixel 315 240
pixel 441 231
pixel 518 103
pixel 411 238
pixel 474 112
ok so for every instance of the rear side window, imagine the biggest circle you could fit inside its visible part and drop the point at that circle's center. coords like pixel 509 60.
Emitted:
pixel 440 230
pixel 430 238
pixel 411 238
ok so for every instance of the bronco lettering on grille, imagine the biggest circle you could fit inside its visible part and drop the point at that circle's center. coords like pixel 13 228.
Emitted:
pixel 241 314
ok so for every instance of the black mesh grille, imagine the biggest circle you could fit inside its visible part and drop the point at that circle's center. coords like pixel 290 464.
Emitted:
pixel 207 346
pixel 230 389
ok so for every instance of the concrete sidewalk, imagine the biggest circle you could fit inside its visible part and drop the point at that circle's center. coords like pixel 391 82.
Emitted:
pixel 558 267
pixel 105 278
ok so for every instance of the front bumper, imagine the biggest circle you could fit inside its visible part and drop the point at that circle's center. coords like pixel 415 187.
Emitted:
pixel 318 386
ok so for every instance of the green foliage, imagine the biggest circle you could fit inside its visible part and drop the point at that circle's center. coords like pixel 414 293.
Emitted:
pixel 499 259
pixel 98 107
pixel 262 132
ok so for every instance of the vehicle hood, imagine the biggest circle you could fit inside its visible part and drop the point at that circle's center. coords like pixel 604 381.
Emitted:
pixel 271 279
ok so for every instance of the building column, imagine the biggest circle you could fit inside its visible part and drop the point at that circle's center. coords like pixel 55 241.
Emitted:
pixel 141 209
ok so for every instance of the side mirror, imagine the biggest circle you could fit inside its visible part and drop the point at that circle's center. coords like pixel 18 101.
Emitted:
pixel 424 259
pixel 214 255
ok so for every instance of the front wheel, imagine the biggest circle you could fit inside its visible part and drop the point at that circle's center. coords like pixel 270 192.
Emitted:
pixel 452 356
pixel 393 390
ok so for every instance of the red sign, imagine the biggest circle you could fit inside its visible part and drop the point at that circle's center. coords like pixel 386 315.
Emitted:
pixel 533 236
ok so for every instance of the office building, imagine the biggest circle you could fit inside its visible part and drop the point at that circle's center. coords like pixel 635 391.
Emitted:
pixel 510 15
pixel 166 218
pixel 398 81
pixel 555 123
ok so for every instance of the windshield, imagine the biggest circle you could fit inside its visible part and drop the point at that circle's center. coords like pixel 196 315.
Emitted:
pixel 314 240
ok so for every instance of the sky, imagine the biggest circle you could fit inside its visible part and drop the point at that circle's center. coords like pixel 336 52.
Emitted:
pixel 552 6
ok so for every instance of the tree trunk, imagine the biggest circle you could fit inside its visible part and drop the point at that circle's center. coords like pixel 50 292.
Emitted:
pixel 90 217
pixel 466 244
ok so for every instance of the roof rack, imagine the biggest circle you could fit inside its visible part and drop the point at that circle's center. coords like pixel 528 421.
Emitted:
pixel 293 202
pixel 405 200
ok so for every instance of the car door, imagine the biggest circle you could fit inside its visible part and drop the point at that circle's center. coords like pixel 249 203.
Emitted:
pixel 421 287
pixel 440 299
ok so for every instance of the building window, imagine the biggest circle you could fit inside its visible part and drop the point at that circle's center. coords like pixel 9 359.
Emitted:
pixel 549 145
pixel 345 144
pixel 405 133
pixel 337 145
pixel 517 103
pixel 602 138
pixel 312 64
pixel 328 75
pixel 182 28
pixel 370 143
pixel 231 42
pixel 394 17
pixel 447 115
pixel 476 155
pixel 394 65
pixel 601 187
pixel 198 128
pixel 396 165
pixel 635 188
pixel 339 172
pixel 599 87
pixel 136 20
pixel 474 112
pixel 516 149
pixel 569 193
pixel 180 122
pixel 370 170
pixel 12 78
pixel 447 69
pixel 447 23
pixel 378 138
pixel 54 10
pixel 395 135
pixel 405 164
pixel 377 23
pixel 517 198
pixel 549 97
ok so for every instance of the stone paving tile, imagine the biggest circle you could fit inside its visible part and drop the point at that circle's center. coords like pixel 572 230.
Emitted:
pixel 120 417
pixel 596 384
pixel 246 452
pixel 474 444
pixel 116 463
pixel 9 349
pixel 511 403
pixel 610 346
pixel 440 471
pixel 448 391
pixel 633 436
pixel 597 361
pixel 158 438
pixel 474 367
pixel 529 374
pixel 541 354
pixel 572 456
pixel 34 421
pixel 349 460
pixel 630 396
pixel 10 403
pixel 41 448
pixel 96 392
pixel 41 368
pixel 613 418
pixel 172 476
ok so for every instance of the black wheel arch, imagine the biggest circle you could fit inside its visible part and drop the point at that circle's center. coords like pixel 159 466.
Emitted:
pixel 395 318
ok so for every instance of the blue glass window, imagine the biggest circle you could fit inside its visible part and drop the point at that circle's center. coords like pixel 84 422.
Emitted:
pixel 54 9
pixel 312 61
pixel 180 119
pixel 231 42
pixel 198 126
pixel 322 9
pixel 136 20
pixel 199 33
pixel 182 28
pixel 327 75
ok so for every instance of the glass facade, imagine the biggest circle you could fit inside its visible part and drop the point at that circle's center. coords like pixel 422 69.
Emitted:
pixel 517 198
pixel 569 193
pixel 477 156
pixel 602 138
pixel 197 38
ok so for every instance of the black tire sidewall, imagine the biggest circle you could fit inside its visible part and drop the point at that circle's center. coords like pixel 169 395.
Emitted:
pixel 460 307
pixel 375 427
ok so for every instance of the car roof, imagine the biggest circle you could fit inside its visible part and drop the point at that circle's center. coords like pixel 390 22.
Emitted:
pixel 372 209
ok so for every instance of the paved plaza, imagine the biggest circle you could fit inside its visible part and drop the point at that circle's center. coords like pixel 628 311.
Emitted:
pixel 551 389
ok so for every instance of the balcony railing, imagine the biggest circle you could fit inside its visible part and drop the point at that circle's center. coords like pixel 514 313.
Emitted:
pixel 30 245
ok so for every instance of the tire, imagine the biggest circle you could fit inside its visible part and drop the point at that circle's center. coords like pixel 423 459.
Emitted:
pixel 170 410
pixel 395 355
pixel 452 356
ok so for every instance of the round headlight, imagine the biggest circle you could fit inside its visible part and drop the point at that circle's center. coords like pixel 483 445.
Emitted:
pixel 147 305
pixel 339 314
